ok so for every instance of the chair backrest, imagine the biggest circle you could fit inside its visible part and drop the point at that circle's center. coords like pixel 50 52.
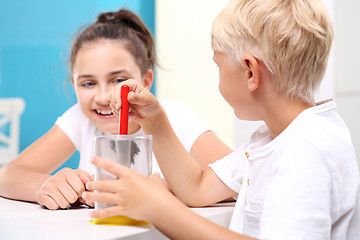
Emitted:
pixel 10 112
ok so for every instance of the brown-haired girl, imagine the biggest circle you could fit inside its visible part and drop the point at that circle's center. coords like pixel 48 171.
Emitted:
pixel 117 47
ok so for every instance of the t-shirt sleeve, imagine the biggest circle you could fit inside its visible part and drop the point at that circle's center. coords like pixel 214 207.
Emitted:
pixel 70 123
pixel 231 169
pixel 186 122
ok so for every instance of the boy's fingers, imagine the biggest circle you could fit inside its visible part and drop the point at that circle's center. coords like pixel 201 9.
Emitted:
pixel 103 186
pixel 101 197
pixel 155 175
pixel 107 212
pixel 108 165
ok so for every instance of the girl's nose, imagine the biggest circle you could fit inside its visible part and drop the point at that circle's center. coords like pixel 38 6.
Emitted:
pixel 102 96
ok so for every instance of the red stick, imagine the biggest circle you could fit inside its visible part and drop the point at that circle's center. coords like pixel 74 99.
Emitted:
pixel 124 116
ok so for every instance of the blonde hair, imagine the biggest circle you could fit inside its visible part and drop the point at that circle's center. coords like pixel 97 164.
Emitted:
pixel 291 37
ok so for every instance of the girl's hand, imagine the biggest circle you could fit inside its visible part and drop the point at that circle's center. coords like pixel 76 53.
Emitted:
pixel 144 107
pixel 132 194
pixel 63 188
pixel 85 180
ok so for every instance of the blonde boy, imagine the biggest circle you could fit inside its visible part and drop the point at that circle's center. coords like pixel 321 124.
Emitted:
pixel 297 178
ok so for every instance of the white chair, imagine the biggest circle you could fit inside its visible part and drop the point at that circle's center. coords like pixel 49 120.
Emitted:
pixel 10 112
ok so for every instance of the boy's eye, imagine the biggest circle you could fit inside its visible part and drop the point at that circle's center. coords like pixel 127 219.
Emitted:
pixel 119 80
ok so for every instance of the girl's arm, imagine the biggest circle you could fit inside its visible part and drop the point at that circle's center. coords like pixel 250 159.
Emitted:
pixel 208 148
pixel 27 177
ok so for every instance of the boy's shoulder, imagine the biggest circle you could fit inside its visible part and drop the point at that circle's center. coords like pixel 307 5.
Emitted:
pixel 322 125
pixel 318 134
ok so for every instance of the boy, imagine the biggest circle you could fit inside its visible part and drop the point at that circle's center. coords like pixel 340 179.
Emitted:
pixel 297 178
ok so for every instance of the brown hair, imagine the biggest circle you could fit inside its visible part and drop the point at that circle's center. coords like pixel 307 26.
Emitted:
pixel 123 26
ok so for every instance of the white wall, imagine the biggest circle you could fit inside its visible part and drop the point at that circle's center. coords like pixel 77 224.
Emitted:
pixel 347 65
pixel 188 72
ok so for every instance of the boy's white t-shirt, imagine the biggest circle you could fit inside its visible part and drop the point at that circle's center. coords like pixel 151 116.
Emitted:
pixel 187 124
pixel 304 184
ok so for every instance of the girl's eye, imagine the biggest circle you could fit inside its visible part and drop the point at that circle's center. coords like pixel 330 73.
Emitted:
pixel 119 80
pixel 87 84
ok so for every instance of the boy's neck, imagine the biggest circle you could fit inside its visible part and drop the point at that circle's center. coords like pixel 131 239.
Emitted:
pixel 280 113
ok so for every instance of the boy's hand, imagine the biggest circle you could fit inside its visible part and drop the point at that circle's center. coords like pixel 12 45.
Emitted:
pixel 144 107
pixel 62 189
pixel 132 194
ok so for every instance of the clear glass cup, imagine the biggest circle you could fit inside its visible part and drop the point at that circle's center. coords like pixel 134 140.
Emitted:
pixel 132 151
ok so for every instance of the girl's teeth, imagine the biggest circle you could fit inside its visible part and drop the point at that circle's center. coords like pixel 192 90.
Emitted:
pixel 103 112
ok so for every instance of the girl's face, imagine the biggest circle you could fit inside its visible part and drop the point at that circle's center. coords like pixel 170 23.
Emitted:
pixel 99 66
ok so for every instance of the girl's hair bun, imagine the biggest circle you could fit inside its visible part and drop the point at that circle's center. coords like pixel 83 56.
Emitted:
pixel 108 17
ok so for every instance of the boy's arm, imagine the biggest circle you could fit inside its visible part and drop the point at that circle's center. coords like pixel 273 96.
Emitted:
pixel 185 176
pixel 182 223
pixel 183 173
pixel 138 197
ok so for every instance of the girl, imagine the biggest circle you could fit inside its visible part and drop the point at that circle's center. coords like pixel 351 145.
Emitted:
pixel 118 46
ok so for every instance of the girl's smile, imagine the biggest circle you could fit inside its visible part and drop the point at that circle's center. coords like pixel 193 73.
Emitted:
pixel 105 113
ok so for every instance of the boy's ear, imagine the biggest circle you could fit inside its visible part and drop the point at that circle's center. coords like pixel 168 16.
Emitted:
pixel 148 79
pixel 252 72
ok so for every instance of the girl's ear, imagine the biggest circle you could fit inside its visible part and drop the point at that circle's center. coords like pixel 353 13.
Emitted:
pixel 253 72
pixel 148 79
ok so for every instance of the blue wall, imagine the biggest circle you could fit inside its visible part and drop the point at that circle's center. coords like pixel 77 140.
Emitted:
pixel 35 42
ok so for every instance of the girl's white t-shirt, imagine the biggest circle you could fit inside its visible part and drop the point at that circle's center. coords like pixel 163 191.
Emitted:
pixel 187 124
pixel 304 184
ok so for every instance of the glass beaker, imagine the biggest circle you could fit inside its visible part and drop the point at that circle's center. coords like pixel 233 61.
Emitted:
pixel 132 151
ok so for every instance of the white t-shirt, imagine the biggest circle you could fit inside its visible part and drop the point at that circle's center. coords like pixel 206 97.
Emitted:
pixel 304 184
pixel 187 124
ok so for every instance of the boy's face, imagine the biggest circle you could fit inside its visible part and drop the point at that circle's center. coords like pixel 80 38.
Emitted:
pixel 233 85
pixel 99 66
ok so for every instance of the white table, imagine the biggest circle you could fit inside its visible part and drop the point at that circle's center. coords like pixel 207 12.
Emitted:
pixel 23 220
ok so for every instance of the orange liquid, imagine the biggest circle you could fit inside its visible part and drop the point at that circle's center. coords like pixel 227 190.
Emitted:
pixel 118 220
